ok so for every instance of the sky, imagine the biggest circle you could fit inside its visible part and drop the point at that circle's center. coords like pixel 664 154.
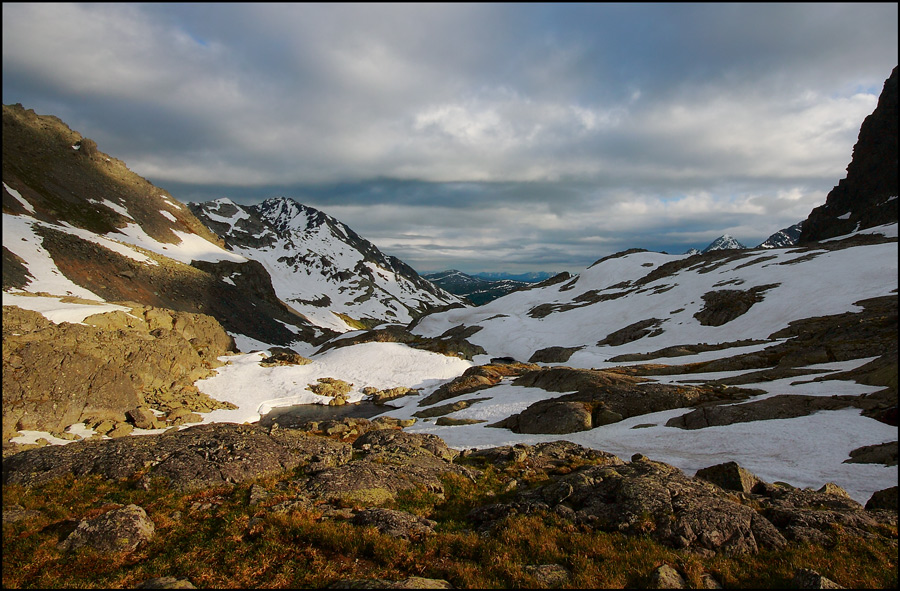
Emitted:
pixel 481 137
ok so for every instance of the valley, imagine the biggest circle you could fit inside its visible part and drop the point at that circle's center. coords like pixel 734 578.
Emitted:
pixel 146 341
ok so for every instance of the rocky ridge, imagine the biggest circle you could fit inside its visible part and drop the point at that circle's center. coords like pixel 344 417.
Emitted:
pixel 867 197
pixel 320 266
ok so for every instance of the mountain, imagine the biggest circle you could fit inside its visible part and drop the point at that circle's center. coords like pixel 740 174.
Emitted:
pixel 320 267
pixel 532 277
pixel 475 289
pixel 724 242
pixel 77 222
pixel 784 237
pixel 867 197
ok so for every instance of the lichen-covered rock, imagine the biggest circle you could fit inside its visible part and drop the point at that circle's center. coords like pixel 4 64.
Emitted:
pixel 398 524
pixel 729 476
pixel 410 583
pixel 194 458
pixel 119 530
pixel 666 577
pixel 805 578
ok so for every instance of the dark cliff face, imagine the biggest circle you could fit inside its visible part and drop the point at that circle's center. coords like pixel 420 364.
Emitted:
pixel 871 177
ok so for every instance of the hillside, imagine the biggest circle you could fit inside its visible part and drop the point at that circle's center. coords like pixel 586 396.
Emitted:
pixel 320 267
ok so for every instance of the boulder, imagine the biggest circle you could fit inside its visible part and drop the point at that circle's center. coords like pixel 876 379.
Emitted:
pixel 398 524
pixel 729 476
pixel 119 530
pixel 882 499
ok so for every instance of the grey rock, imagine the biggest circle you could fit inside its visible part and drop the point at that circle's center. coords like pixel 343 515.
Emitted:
pixel 398 524
pixel 805 578
pixel 166 583
pixel 666 577
pixel 119 530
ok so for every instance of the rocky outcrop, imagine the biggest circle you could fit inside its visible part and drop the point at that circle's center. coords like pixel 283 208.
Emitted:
pixel 644 497
pixel 477 378
pixel 452 343
pixel 604 397
pixel 783 406
pixel 722 306
pixel 867 197
pixel 114 366
pixel 362 482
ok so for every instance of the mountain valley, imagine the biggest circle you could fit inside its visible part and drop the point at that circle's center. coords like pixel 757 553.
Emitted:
pixel 731 402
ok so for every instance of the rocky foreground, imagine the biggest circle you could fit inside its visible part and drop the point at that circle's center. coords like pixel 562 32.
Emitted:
pixel 355 470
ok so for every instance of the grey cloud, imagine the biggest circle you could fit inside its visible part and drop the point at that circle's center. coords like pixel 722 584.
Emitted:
pixel 606 123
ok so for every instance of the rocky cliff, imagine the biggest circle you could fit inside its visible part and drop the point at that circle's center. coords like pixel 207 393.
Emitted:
pixel 867 197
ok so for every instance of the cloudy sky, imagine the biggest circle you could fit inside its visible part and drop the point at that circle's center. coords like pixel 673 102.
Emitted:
pixel 482 137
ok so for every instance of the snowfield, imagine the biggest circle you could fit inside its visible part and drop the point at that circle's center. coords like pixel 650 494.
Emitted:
pixel 807 451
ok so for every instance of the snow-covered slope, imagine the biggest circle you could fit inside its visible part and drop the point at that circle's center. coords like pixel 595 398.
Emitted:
pixel 621 291
pixel 319 266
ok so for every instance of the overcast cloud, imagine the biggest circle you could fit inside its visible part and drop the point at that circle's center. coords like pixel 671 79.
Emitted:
pixel 517 137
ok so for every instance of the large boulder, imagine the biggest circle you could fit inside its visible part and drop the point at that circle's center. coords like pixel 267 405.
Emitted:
pixel 119 530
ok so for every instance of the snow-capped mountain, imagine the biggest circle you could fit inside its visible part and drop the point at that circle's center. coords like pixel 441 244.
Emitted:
pixel 724 242
pixel 784 237
pixel 320 267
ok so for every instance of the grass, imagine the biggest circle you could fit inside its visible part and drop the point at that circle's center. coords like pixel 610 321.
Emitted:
pixel 215 538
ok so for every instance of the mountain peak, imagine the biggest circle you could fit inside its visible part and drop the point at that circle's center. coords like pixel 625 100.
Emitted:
pixel 724 242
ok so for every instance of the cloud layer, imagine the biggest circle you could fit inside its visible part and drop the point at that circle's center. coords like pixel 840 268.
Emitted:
pixel 476 136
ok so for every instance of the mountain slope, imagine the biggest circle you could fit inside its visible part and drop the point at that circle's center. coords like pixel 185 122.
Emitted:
pixel 319 266
pixel 77 222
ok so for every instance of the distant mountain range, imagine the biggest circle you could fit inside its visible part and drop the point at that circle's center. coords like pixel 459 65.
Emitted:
pixel 481 288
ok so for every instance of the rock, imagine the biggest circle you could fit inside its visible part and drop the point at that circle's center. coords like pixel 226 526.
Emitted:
pixel 782 406
pixel 666 577
pixel 390 444
pixel 55 375
pixel 883 453
pixel 284 358
pixel 603 397
pixel 805 578
pixel 445 409
pixel 451 422
pixel 166 583
pixel 477 378
pixel 16 513
pixel 120 430
pixel 729 476
pixel 398 524
pixel 410 583
pixel 553 354
pixel 197 457
pixel 549 575
pixel 142 418
pixel 882 499
pixel 119 530
pixel 553 416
